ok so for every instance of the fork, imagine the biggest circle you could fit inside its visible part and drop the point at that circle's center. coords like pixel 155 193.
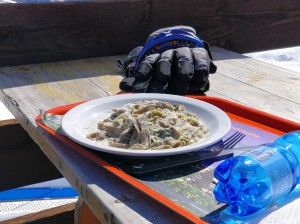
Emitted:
pixel 223 149
pixel 233 140
pixel 228 143
pixel 210 154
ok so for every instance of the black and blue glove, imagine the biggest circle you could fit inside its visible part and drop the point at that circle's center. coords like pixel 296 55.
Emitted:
pixel 173 60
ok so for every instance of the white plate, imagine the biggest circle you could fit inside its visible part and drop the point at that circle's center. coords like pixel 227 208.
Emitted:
pixel 82 120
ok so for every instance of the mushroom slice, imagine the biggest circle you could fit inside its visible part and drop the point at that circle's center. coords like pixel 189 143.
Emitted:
pixel 145 134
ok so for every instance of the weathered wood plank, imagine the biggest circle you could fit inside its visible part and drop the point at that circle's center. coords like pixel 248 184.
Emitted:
pixel 49 85
pixel 29 88
pixel 8 122
pixel 58 31
pixel 83 214
pixel 256 84
pixel 110 199
pixel 73 81
pixel 33 33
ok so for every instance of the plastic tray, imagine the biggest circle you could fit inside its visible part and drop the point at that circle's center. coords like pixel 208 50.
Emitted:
pixel 238 113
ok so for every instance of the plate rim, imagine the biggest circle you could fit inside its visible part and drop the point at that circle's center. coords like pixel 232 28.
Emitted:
pixel 141 96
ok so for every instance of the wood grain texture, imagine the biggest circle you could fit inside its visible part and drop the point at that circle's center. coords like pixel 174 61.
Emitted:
pixel 110 199
pixel 256 84
pixel 26 89
pixel 30 87
pixel 83 214
pixel 57 31
pixel 34 33
pixel 56 215
pixel 8 122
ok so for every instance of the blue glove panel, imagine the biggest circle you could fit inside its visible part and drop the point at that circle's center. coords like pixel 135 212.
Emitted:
pixel 169 38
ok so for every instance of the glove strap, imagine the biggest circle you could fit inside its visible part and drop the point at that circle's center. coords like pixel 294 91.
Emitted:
pixel 131 59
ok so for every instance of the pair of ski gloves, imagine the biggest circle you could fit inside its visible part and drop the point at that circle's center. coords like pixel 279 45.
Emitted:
pixel 173 60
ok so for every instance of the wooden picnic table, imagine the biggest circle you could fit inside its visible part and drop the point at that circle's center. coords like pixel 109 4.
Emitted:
pixel 26 89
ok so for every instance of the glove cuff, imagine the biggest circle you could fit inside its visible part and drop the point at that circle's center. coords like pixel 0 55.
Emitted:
pixel 167 29
pixel 169 38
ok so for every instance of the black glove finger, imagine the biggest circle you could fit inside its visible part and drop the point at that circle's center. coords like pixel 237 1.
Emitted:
pixel 164 66
pixel 201 59
pixel 141 86
pixel 147 66
pixel 201 73
pixel 183 63
pixel 126 84
pixel 182 71
pixel 157 86
pixel 144 75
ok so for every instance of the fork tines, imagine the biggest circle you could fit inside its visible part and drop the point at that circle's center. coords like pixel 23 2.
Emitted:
pixel 233 140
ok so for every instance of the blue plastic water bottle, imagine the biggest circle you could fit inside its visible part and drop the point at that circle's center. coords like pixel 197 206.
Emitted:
pixel 258 178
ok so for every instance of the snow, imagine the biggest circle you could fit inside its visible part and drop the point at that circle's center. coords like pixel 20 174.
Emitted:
pixel 288 58
pixel 4 113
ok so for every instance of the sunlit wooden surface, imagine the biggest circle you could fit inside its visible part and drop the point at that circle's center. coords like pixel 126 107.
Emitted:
pixel 28 88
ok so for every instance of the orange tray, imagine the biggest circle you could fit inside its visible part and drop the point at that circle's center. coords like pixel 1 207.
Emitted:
pixel 236 112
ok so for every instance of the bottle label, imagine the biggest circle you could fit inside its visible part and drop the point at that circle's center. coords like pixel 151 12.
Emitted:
pixel 277 168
